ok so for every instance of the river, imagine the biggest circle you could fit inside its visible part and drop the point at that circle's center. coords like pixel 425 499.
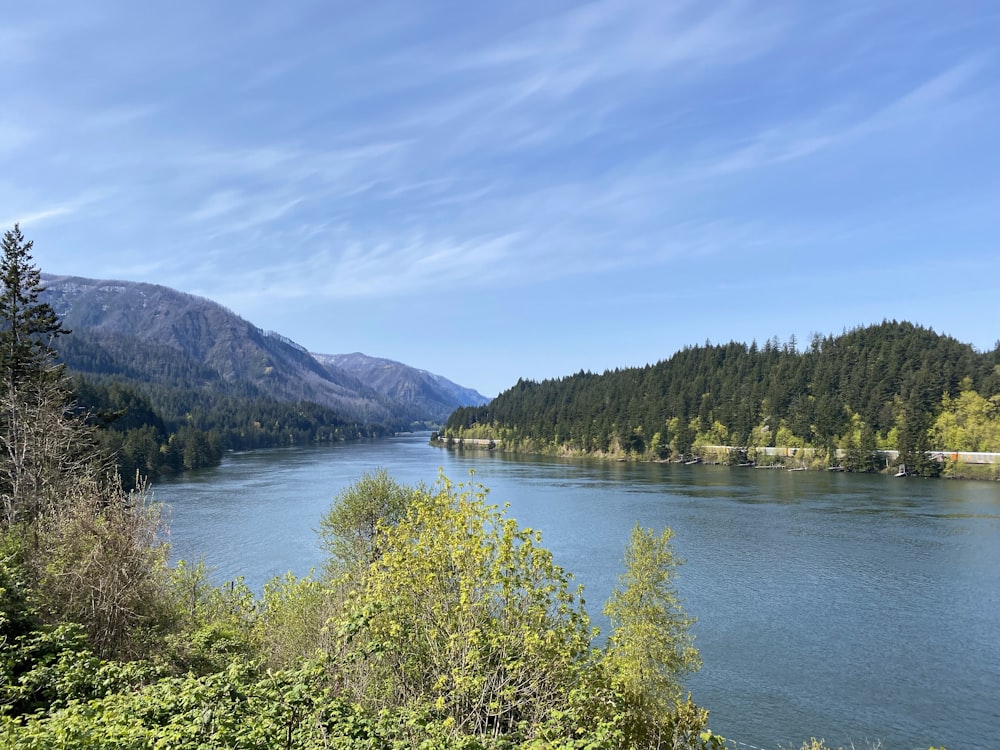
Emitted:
pixel 854 608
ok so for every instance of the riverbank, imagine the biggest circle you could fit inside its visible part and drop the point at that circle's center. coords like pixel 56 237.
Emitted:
pixel 952 464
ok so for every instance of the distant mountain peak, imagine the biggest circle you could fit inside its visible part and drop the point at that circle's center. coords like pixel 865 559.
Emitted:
pixel 429 391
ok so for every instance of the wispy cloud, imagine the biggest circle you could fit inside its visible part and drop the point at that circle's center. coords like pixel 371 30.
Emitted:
pixel 218 204
pixel 360 154
pixel 943 96
pixel 606 40
pixel 36 217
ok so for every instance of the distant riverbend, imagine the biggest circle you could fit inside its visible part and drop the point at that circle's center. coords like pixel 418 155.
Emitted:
pixel 846 606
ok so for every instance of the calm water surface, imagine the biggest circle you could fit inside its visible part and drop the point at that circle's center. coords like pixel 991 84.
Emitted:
pixel 831 605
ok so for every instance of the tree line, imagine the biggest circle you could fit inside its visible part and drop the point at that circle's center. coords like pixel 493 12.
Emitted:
pixel 184 388
pixel 891 386
pixel 154 430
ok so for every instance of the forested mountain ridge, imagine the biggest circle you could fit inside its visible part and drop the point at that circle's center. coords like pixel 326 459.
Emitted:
pixel 153 334
pixel 176 379
pixel 156 334
pixel 892 386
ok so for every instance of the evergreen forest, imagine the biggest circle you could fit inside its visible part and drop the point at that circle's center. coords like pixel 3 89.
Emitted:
pixel 843 402
pixel 154 429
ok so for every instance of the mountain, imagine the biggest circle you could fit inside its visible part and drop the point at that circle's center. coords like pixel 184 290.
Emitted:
pixel 436 395
pixel 154 335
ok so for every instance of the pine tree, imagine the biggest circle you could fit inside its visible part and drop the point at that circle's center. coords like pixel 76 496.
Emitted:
pixel 28 327
pixel 40 447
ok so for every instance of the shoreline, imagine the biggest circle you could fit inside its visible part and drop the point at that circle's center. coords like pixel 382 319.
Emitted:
pixel 976 466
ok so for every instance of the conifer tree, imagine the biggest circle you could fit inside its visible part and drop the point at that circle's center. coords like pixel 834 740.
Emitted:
pixel 28 326
pixel 39 446
pixel 88 551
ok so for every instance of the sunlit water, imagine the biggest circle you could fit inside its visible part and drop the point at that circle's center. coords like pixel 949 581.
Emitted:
pixel 848 607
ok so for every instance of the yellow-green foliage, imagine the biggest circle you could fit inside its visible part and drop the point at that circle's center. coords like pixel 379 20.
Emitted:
pixel 349 530
pixel 238 707
pixel 465 610
pixel 292 620
pixel 211 625
pixel 714 434
pixel 968 422
pixel 784 437
pixel 650 646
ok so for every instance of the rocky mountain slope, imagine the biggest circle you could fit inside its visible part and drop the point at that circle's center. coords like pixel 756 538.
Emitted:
pixel 154 334
pixel 425 390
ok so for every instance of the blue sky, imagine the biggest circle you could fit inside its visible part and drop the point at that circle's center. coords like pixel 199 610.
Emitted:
pixel 520 189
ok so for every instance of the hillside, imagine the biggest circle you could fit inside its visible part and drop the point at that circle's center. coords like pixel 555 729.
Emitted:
pixel 891 386
pixel 163 338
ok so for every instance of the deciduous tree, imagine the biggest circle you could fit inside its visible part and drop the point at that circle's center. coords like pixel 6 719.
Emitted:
pixel 464 614
pixel 650 647
pixel 89 551
pixel 349 532
pixel 41 445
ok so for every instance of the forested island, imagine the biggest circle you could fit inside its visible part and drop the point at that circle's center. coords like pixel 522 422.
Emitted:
pixel 845 402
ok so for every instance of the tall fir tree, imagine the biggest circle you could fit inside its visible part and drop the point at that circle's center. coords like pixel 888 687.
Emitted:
pixel 28 326
pixel 41 446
